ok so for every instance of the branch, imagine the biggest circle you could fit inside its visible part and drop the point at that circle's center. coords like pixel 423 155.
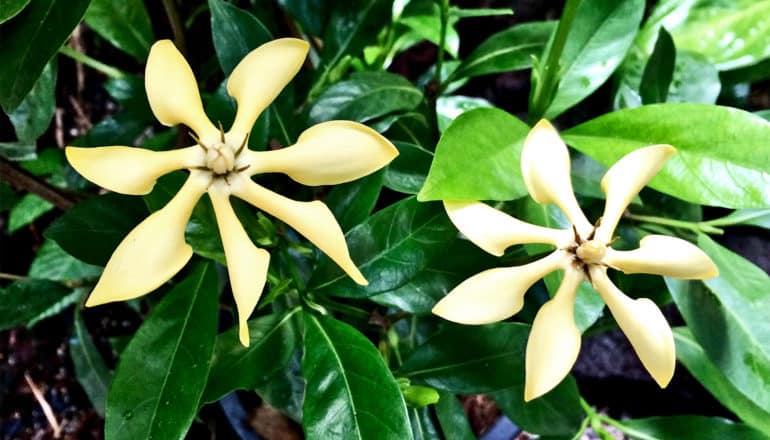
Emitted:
pixel 22 180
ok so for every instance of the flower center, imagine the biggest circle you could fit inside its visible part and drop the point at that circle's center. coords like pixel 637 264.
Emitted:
pixel 591 252
pixel 220 158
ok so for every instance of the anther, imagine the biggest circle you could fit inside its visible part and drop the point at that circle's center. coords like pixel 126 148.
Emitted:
pixel 243 168
pixel 197 141
pixel 596 226
pixel 221 132
pixel 243 145
pixel 578 240
pixel 614 239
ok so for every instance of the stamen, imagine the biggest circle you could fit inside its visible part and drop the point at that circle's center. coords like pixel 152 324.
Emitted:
pixel 243 145
pixel 221 132
pixel 614 239
pixel 596 226
pixel 243 168
pixel 197 141
pixel 577 236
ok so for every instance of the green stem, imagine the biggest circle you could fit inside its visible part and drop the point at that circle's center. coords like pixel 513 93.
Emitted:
pixel 624 429
pixel 549 75
pixel 725 221
pixel 80 57
pixel 10 276
pixel 692 226
pixel 353 312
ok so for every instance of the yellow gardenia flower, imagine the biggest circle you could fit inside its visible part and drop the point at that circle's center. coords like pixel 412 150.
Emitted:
pixel 583 252
pixel 220 164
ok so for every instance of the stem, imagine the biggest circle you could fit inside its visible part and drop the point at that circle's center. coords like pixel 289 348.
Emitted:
pixel 692 226
pixel 549 79
pixel 725 221
pixel 80 57
pixel 23 180
pixel 12 277
pixel 176 25
pixel 353 312
pixel 623 428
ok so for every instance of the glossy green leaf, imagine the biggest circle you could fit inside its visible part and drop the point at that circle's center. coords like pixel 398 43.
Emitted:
pixel 93 228
pixel 124 23
pixel 722 155
pixel 601 34
pixel 30 40
pixel 162 372
pixel 407 172
pixel 17 151
pixel 53 263
pixel 691 354
pixel 556 413
pixel 451 416
pixel 26 211
pixel 365 96
pixel 478 158
pixel 683 427
pixel 91 371
pixel 24 300
pixel 345 371
pixel 274 339
pixel 659 70
pixel 10 8
pixel 352 202
pixel 311 14
pixel 33 116
pixel 729 319
pixel 751 217
pixel 448 108
pixel 423 19
pixel 507 50
pixel 235 32
pixel 390 248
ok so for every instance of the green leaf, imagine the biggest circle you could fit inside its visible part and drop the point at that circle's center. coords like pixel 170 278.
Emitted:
pixel 722 157
pixel 91 371
pixel 422 18
pixel 448 108
pixel 10 8
pixel 391 247
pixel 345 371
pixel 478 158
pixel 751 217
pixel 25 300
pixel 162 372
pixel 93 228
pixel 365 96
pixel 697 362
pixel 556 413
pixel 311 14
pixel 235 32
pixel 507 50
pixel 124 23
pixel 407 172
pixel 600 36
pixel 274 339
pixel 33 116
pixel 26 211
pixel 17 151
pixel 352 202
pixel 30 40
pixel 682 427
pixel 729 319
pixel 659 70
pixel 451 416
pixel 53 263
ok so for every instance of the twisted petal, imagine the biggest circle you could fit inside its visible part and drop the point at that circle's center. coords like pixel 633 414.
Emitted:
pixel 554 341
pixel 625 179
pixel 643 324
pixel 246 264
pixel 260 76
pixel 662 255
pixel 494 231
pixel 313 220
pixel 153 251
pixel 495 294
pixel 173 91
pixel 327 153
pixel 545 166
pixel 129 170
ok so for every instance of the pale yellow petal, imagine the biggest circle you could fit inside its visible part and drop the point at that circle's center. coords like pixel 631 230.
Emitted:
pixel 153 251
pixel 495 294
pixel 662 255
pixel 554 342
pixel 625 179
pixel 545 167
pixel 313 220
pixel 644 325
pixel 173 92
pixel 327 154
pixel 494 231
pixel 246 264
pixel 260 76
pixel 129 170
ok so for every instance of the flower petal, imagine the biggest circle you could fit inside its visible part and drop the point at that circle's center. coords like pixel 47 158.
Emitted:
pixel 495 294
pixel 644 325
pixel 260 76
pixel 328 153
pixel 494 231
pixel 625 179
pixel 173 92
pixel 246 264
pixel 545 166
pixel 554 341
pixel 313 220
pixel 152 252
pixel 662 255
pixel 129 170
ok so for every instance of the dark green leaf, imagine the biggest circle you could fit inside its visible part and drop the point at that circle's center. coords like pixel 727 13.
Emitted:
pixel 354 201
pixel 659 70
pixel 407 172
pixel 30 40
pixel 685 427
pixel 124 23
pixel 311 14
pixel 90 369
pixel 478 158
pixel 24 300
pixel 508 50
pixel 162 372
pixel 26 211
pixel 454 422
pixel 53 263
pixel 423 426
pixel 235 33
pixel 722 157
pixel 9 8
pixel 391 247
pixel 17 151
pixel 556 413
pixel 33 116
pixel 345 371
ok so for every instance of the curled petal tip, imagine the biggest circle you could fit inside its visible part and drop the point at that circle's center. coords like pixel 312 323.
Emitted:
pixel 358 277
